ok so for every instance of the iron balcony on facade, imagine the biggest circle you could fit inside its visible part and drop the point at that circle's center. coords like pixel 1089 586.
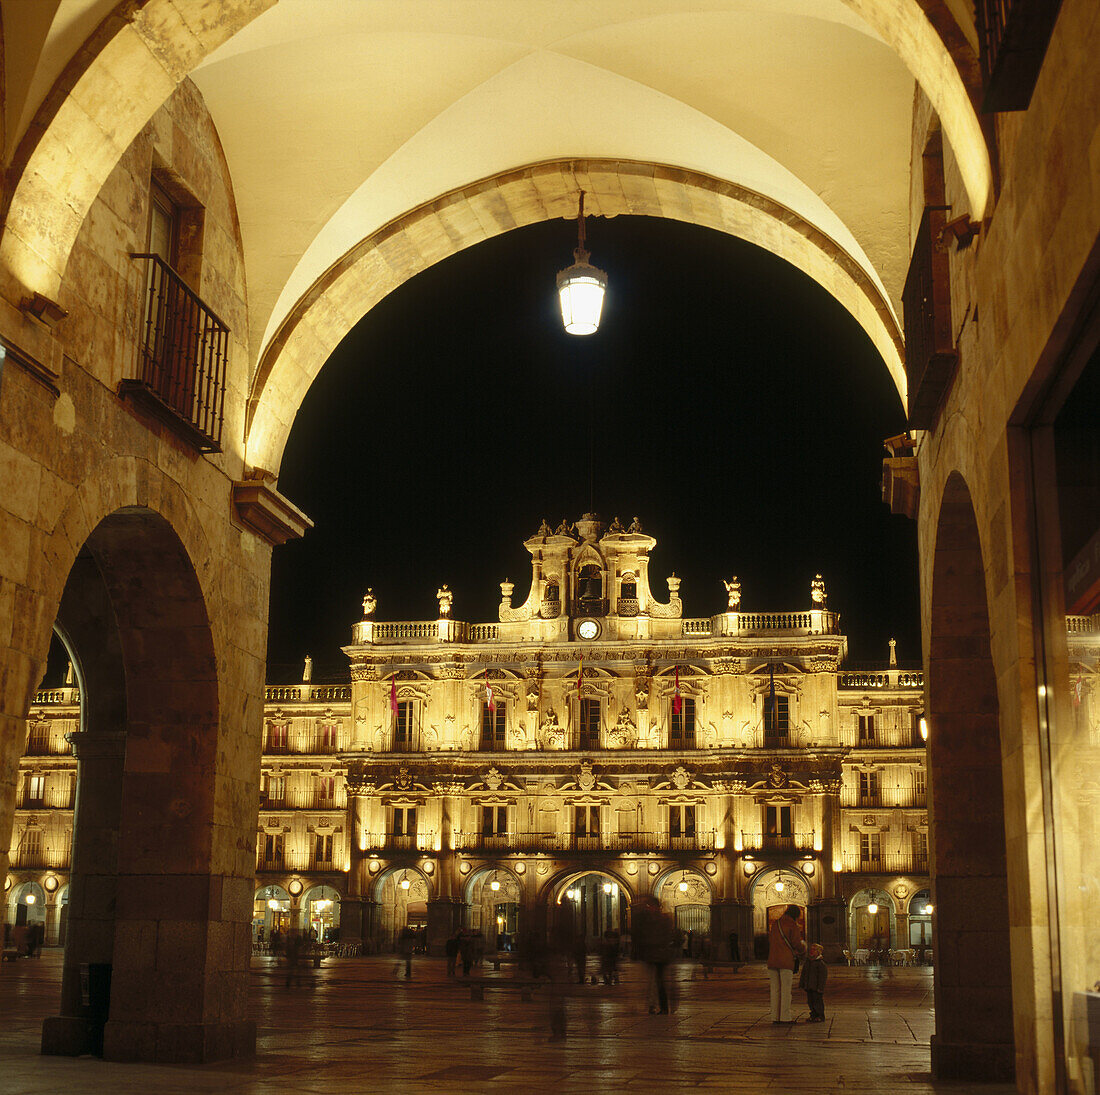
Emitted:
pixel 420 841
pixel 930 355
pixel 1013 37
pixel 183 353
pixel 700 841
pixel 778 842
pixel 886 863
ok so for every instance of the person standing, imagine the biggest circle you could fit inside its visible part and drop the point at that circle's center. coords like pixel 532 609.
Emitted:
pixel 784 946
pixel 451 951
pixel 406 944
pixel 812 981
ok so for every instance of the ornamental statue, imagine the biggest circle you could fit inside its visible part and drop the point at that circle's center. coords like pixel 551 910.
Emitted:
pixel 817 591
pixel 370 603
pixel 551 732
pixel 445 598
pixel 624 735
pixel 733 590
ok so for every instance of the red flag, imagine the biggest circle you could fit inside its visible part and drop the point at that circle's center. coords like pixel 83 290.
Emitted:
pixel 490 700
pixel 677 699
pixel 393 693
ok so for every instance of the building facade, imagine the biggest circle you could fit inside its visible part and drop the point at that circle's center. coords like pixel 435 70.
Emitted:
pixel 591 747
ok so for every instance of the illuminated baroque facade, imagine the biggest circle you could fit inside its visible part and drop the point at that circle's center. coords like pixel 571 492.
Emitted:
pixel 725 764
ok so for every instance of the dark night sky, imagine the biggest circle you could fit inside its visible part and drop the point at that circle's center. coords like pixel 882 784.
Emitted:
pixel 734 407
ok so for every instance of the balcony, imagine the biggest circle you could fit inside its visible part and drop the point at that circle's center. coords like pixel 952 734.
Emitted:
pixel 29 858
pixel 886 863
pixel 930 356
pixel 702 841
pixel 182 355
pixel 1013 38
pixel 777 842
pixel 271 863
pixel 400 842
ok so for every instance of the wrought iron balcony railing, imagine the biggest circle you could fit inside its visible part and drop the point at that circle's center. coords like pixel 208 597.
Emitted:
pixel 930 355
pixel 700 841
pixel 183 352
pixel 777 842
pixel 886 863
pixel 1013 37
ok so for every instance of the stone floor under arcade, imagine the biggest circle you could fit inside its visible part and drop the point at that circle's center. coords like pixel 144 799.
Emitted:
pixel 355 1026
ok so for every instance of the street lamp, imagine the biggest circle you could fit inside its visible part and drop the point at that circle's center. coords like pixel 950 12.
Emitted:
pixel 581 288
pixel 404 883
pixel 780 885
pixel 495 884
pixel 683 887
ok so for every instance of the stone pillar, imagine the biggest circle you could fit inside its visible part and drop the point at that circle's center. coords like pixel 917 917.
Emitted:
pixel 444 914
pixel 351 920
pixel 734 917
pixel 93 897
pixel 826 926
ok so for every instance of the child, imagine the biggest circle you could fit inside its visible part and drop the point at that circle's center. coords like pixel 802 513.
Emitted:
pixel 812 979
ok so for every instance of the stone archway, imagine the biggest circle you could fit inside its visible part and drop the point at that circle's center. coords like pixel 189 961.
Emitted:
pixel 513 199
pixel 142 51
pixel 970 932
pixel 148 860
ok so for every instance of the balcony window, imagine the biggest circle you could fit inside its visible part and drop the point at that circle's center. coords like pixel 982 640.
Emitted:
pixel 681 821
pixel 682 725
pixel 869 792
pixel 30 849
pixel 777 718
pixel 325 793
pixel 870 851
pixel 275 791
pixel 327 737
pixel 273 854
pixel 322 851
pixel 494 820
pixel 866 729
pixel 38 741
pixel 34 791
pixel 920 787
pixel 406 724
pixel 276 737
pixel 777 822
pixel 404 821
pixel 492 725
pixel 589 724
pixel 586 821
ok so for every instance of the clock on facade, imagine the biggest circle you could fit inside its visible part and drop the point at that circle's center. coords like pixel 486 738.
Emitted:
pixel 588 629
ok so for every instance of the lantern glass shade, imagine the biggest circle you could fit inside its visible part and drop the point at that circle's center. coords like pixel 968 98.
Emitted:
pixel 494 885
pixel 580 291
pixel 30 899
pixel 872 908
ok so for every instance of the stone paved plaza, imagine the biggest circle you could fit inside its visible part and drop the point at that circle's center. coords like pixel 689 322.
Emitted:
pixel 355 1026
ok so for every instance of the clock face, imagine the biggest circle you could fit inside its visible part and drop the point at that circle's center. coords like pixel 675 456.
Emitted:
pixel 588 629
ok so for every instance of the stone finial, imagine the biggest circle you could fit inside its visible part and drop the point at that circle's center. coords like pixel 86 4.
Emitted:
pixel 70 675
pixel 445 598
pixel 893 652
pixel 733 591
pixel 307 670
pixel 674 585
pixel 370 603
pixel 817 592
pixel 506 589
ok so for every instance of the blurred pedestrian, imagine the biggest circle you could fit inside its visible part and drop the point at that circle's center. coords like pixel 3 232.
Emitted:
pixel 450 949
pixel 656 937
pixel 784 946
pixel 580 955
pixel 406 944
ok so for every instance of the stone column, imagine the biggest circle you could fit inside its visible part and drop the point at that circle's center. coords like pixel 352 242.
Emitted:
pixel 93 895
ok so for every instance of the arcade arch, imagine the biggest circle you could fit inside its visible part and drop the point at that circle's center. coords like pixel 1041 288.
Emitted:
pixel 966 805
pixel 401 894
pixel 495 912
pixel 595 900
pixel 872 922
pixel 772 890
pixel 687 894
pixel 145 54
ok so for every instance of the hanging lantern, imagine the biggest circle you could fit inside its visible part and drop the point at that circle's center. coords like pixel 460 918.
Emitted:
pixel 581 288
pixel 404 880
pixel 683 887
